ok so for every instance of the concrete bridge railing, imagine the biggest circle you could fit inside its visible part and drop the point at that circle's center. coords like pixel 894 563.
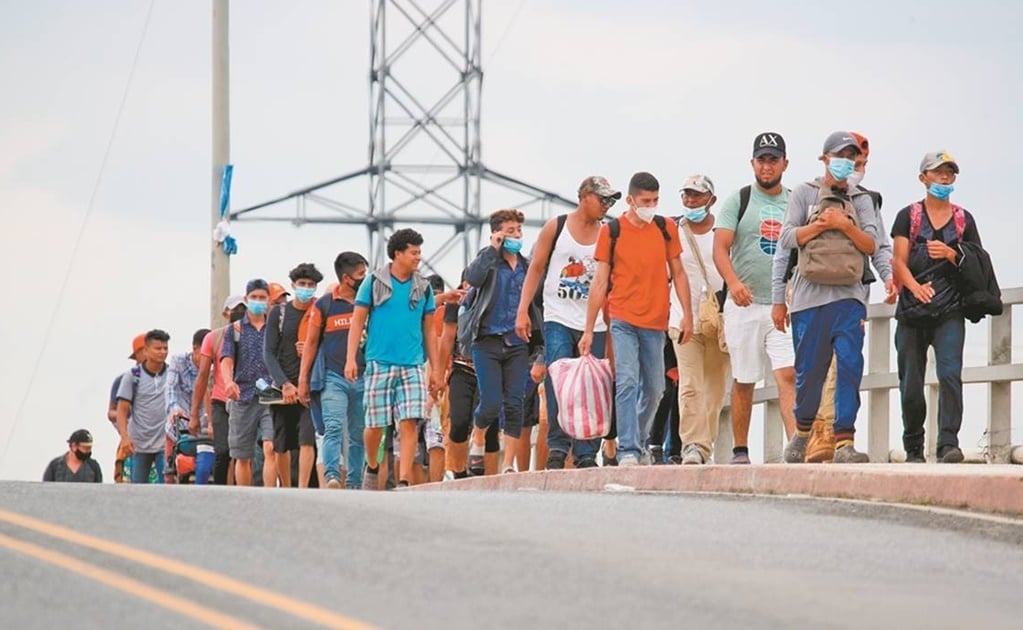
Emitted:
pixel 879 381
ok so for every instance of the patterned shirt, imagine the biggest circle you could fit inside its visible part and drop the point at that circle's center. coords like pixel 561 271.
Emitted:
pixel 181 375
pixel 248 359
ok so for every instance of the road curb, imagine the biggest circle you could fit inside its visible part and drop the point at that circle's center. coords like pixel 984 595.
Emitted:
pixel 986 488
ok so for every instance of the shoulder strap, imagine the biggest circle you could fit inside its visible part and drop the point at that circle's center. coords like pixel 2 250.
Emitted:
pixel 325 313
pixel 959 216
pixel 744 194
pixel 663 226
pixel 691 239
pixel 282 309
pixel 559 227
pixel 136 376
pixel 916 217
pixel 614 228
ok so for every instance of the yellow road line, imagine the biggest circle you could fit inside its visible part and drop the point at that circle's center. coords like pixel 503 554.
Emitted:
pixel 211 579
pixel 128 585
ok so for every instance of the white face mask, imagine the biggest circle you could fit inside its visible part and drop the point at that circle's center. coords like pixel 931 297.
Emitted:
pixel 646 214
pixel 855 179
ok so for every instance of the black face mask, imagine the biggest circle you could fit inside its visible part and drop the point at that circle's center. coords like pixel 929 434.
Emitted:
pixel 356 283
pixel 82 455
pixel 237 315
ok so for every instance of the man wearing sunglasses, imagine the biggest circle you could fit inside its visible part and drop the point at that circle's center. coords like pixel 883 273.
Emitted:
pixel 563 266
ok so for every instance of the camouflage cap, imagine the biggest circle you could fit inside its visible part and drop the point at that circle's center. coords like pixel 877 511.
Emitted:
pixel 935 159
pixel 599 186
pixel 699 183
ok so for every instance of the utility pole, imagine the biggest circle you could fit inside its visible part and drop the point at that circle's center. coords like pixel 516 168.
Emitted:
pixel 220 266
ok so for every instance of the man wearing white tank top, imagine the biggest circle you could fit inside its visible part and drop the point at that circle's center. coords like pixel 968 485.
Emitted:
pixel 563 265
pixel 702 367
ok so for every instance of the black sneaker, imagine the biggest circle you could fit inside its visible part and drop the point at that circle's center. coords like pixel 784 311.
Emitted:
pixel 950 455
pixel 657 455
pixel 915 456
pixel 476 465
pixel 611 461
pixel 556 460
pixel 586 463
pixel 271 396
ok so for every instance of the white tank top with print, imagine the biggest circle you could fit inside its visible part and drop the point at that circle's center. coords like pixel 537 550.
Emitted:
pixel 566 288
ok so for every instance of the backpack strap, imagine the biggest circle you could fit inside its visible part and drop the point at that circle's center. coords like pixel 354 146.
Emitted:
pixel 663 226
pixel 959 217
pixel 136 376
pixel 744 194
pixel 916 217
pixel 559 227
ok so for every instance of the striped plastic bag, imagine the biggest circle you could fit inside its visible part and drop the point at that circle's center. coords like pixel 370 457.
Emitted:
pixel 583 389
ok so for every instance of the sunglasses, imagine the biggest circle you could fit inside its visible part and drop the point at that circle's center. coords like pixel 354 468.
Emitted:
pixel 607 202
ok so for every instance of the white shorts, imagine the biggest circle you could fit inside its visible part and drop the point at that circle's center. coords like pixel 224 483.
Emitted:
pixel 753 341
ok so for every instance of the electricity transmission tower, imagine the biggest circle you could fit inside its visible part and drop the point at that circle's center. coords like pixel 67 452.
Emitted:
pixel 424 164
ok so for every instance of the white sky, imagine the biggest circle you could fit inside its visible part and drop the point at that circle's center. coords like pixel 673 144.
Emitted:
pixel 572 88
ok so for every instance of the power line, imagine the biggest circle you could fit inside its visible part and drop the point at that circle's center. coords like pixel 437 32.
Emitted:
pixel 78 239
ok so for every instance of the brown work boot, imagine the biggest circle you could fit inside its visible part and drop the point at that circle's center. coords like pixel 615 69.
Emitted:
pixel 821 447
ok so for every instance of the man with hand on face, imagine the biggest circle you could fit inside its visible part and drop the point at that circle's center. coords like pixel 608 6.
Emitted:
pixel 286 326
pixel 241 364
pixel 829 295
pixel 500 356
pixel 634 256
pixel 77 464
pixel 745 240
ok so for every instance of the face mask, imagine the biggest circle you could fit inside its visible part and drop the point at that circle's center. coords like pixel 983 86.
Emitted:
pixel 82 455
pixel 356 283
pixel 256 307
pixel 237 315
pixel 304 294
pixel 940 191
pixel 841 168
pixel 512 245
pixel 694 215
pixel 646 214
pixel 855 178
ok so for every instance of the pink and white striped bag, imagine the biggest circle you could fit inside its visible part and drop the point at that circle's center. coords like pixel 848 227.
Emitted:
pixel 582 388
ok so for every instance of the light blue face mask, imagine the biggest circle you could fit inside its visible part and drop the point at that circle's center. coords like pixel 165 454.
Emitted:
pixel 256 307
pixel 694 215
pixel 304 294
pixel 940 191
pixel 841 168
pixel 512 245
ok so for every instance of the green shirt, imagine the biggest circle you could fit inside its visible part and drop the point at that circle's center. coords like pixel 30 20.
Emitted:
pixel 756 239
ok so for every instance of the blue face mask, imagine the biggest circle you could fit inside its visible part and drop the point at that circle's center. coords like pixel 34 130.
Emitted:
pixel 256 307
pixel 694 215
pixel 841 168
pixel 512 245
pixel 940 191
pixel 304 294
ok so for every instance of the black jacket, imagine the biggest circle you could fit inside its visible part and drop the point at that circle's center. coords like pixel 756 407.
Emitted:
pixel 977 283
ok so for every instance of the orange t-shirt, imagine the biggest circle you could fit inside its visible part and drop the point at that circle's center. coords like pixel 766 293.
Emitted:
pixel 639 277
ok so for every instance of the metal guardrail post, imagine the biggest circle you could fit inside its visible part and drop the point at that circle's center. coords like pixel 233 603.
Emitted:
pixel 879 342
pixel 999 415
pixel 774 432
pixel 723 444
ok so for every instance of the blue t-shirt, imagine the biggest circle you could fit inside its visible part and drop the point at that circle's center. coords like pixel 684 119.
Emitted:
pixel 395 329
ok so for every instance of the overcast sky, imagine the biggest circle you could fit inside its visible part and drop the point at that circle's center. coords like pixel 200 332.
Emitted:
pixel 572 88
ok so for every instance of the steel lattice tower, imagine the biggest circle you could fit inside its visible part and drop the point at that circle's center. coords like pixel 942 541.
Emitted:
pixel 425 163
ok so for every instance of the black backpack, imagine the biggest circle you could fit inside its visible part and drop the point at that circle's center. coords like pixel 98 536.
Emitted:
pixel 615 229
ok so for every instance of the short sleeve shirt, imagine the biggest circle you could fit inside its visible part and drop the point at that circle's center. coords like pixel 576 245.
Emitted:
pixel 639 275
pixel 395 329
pixel 148 408
pixel 756 238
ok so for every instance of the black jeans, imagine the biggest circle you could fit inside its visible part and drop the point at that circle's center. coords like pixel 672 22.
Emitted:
pixel 221 452
pixel 462 400
pixel 911 343
pixel 667 418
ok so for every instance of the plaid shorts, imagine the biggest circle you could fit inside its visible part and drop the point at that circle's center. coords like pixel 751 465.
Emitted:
pixel 393 393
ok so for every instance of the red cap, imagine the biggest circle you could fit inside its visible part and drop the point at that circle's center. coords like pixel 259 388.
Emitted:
pixel 137 344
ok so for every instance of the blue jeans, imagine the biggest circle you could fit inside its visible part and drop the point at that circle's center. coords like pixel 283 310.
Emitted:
pixel 639 382
pixel 344 418
pixel 142 462
pixel 817 334
pixel 501 373
pixel 562 342
pixel 203 467
pixel 911 344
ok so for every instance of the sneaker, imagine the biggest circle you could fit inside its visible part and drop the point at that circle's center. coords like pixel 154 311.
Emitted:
pixel 628 460
pixel 675 460
pixel 449 475
pixel 271 396
pixel 370 480
pixel 646 459
pixel 951 455
pixel 586 463
pixel 656 455
pixel 740 458
pixel 795 450
pixel 510 470
pixel 915 456
pixel 849 455
pixel 556 460
pixel 821 447
pixel 693 456
pixel 476 465
pixel 334 483
pixel 610 461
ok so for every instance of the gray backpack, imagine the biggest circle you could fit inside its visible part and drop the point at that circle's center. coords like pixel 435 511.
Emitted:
pixel 831 258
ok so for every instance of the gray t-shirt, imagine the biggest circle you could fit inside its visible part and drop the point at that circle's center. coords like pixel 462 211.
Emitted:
pixel 806 294
pixel 756 238
pixel 882 259
pixel 148 408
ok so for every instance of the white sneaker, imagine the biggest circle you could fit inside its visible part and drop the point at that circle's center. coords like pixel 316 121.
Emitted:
pixel 628 460
pixel 693 456
pixel 449 475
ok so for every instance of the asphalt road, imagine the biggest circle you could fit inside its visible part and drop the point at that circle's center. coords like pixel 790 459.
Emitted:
pixel 298 559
